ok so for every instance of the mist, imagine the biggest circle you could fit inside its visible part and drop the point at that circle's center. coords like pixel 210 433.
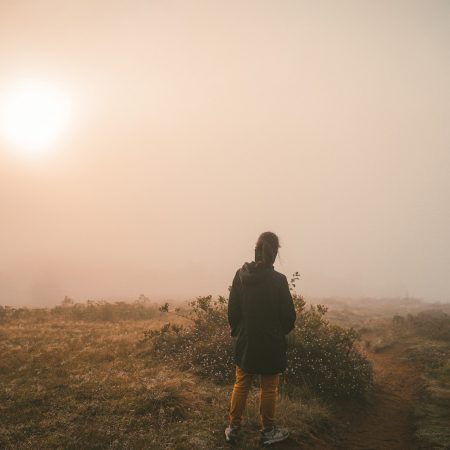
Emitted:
pixel 198 125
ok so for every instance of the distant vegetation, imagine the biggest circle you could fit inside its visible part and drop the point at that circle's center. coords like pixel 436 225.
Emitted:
pixel 141 309
pixel 433 324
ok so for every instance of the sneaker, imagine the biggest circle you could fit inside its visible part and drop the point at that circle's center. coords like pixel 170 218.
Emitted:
pixel 232 433
pixel 272 435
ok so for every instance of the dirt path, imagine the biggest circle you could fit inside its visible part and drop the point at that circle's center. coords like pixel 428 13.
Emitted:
pixel 387 423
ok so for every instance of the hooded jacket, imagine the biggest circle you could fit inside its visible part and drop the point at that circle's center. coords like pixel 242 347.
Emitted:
pixel 260 313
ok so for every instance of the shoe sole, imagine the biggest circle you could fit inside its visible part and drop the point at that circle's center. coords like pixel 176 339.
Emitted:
pixel 273 441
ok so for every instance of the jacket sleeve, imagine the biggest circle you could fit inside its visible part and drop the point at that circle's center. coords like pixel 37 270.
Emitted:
pixel 234 306
pixel 287 310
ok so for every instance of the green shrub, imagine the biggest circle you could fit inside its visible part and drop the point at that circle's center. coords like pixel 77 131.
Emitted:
pixel 205 346
pixel 324 356
pixel 320 355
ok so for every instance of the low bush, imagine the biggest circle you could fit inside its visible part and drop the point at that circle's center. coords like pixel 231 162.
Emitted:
pixel 432 324
pixel 320 355
pixel 205 346
pixel 324 356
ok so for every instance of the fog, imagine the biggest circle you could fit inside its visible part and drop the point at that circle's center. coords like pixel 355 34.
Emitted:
pixel 198 125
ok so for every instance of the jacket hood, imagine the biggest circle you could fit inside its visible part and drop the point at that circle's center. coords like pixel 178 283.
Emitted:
pixel 250 274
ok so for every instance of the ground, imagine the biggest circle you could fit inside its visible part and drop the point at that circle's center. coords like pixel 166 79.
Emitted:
pixel 91 384
pixel 388 422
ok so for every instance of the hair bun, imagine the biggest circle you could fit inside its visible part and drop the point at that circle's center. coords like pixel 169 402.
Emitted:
pixel 266 249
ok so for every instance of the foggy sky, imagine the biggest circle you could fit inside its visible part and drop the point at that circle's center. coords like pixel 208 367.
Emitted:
pixel 198 125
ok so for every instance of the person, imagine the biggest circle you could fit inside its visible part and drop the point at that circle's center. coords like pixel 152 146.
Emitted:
pixel 260 313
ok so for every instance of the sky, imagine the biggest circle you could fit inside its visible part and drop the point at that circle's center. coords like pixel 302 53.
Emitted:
pixel 196 125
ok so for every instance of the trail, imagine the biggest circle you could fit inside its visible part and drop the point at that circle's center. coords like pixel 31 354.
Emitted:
pixel 387 422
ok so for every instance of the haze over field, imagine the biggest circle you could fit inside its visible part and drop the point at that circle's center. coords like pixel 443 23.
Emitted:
pixel 194 126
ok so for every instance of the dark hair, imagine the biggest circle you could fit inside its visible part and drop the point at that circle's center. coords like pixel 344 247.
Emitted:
pixel 266 249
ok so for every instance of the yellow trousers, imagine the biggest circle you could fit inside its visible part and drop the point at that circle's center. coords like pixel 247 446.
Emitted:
pixel 241 388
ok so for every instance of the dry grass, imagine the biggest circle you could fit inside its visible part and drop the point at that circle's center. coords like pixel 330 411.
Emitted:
pixel 424 339
pixel 433 411
pixel 89 385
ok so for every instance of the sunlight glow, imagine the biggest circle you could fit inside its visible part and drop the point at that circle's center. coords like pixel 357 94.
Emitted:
pixel 33 116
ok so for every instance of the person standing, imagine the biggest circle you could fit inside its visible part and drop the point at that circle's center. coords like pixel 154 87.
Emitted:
pixel 260 313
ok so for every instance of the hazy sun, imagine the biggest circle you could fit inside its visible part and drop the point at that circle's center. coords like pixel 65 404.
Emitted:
pixel 33 115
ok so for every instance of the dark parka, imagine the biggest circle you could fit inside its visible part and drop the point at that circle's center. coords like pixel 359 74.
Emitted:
pixel 260 314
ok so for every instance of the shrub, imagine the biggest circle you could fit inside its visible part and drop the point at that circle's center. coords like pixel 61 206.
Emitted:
pixel 320 355
pixel 205 346
pixel 324 356
pixel 433 324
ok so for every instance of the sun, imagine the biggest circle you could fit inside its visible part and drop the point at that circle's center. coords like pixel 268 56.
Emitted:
pixel 33 115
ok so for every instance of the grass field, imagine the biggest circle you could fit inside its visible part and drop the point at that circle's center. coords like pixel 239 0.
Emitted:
pixel 93 384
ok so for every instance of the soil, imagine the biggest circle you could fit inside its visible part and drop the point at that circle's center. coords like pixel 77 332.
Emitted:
pixel 386 422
